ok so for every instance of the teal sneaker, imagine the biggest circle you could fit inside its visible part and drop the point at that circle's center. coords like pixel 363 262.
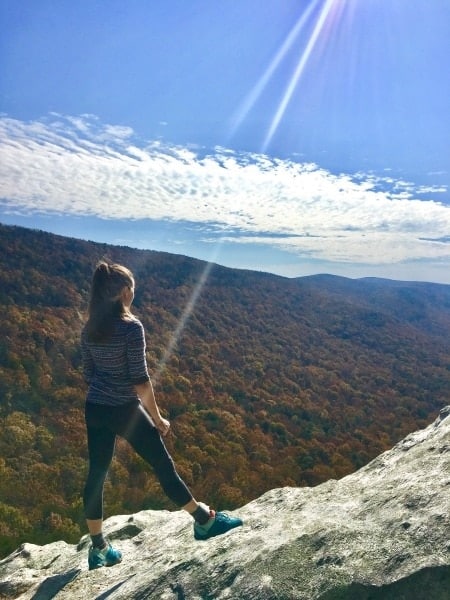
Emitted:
pixel 106 557
pixel 217 525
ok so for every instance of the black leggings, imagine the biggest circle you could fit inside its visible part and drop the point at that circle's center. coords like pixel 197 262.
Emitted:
pixel 131 422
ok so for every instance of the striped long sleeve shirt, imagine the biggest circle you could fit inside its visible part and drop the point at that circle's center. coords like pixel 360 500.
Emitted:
pixel 113 368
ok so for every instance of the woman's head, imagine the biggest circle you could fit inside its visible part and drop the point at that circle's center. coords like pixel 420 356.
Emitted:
pixel 110 282
pixel 112 293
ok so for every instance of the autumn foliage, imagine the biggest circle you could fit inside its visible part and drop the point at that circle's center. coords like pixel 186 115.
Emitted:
pixel 267 381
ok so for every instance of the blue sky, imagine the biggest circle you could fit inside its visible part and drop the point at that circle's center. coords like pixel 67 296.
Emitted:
pixel 288 136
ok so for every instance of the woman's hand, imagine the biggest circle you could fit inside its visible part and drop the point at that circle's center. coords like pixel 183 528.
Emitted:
pixel 163 426
pixel 145 393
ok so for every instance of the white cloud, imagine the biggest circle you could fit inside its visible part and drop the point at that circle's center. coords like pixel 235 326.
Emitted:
pixel 78 166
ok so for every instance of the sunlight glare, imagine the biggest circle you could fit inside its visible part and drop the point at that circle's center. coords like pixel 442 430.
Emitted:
pixel 183 320
pixel 263 81
pixel 324 13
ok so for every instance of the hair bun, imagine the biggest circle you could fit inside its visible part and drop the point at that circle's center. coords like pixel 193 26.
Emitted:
pixel 103 267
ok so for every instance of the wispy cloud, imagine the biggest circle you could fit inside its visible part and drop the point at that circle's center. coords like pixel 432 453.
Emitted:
pixel 79 166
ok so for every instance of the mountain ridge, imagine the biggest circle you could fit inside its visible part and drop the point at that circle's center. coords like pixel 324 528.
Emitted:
pixel 268 381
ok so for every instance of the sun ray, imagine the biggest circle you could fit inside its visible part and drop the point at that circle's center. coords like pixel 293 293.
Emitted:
pixel 259 87
pixel 183 320
pixel 323 16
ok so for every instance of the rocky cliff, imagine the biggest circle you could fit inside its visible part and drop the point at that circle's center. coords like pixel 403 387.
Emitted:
pixel 380 533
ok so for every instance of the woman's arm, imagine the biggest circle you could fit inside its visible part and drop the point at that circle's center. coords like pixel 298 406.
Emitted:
pixel 147 396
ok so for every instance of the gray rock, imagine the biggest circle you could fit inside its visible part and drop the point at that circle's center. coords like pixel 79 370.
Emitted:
pixel 380 533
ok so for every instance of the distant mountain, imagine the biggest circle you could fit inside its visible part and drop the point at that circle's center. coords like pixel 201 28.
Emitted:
pixel 268 381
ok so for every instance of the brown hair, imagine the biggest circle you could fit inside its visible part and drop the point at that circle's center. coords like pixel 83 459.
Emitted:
pixel 106 303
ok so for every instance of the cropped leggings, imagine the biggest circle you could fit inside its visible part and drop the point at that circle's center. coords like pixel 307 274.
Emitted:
pixel 131 422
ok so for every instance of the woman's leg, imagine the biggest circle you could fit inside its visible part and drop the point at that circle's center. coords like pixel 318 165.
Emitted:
pixel 101 444
pixel 134 424
pixel 139 430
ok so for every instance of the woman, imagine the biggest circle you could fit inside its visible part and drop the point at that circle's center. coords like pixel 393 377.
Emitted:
pixel 120 401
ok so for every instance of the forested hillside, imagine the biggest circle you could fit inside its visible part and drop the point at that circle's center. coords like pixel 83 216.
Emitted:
pixel 267 381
